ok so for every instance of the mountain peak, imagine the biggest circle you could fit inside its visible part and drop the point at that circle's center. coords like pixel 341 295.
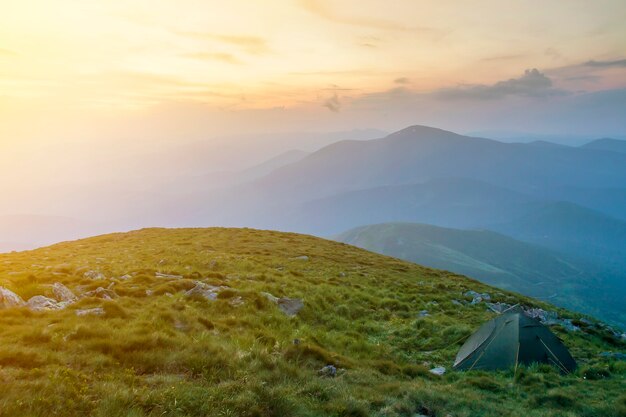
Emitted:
pixel 421 130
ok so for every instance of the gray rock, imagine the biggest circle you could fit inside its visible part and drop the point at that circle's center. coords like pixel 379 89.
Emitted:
pixel 125 277
pixel 423 313
pixel 95 275
pixel 96 311
pixel 104 293
pixel 289 306
pixel 9 299
pixel 477 297
pixel 41 303
pixel 203 290
pixel 440 370
pixel 498 307
pixel 329 371
pixel 168 276
pixel 62 293
pixel 301 258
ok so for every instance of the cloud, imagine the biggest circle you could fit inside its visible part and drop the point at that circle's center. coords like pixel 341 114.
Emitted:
pixel 333 104
pixel 6 52
pixel 502 58
pixel 321 9
pixel 603 64
pixel 214 56
pixel 251 44
pixel 531 84
pixel 402 80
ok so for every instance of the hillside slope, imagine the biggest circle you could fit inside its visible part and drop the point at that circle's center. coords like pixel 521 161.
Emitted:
pixel 496 260
pixel 180 323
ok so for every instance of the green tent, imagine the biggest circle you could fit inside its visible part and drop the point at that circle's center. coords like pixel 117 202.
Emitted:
pixel 510 339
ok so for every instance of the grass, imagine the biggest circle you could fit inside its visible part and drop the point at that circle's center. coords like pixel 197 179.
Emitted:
pixel 156 352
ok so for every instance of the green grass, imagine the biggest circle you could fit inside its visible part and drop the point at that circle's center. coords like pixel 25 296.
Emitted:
pixel 165 354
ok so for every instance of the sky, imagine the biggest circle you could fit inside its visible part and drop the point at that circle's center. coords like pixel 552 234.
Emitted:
pixel 116 90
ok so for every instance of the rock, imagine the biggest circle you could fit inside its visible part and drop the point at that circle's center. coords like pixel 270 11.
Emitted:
pixel 9 299
pixel 329 371
pixel 236 301
pixel 301 258
pixel 95 275
pixel 41 303
pixel 97 311
pixel 62 293
pixel 296 342
pixel 125 277
pixel 423 313
pixel 498 307
pixel 440 370
pixel 477 297
pixel 457 303
pixel 104 293
pixel 545 317
pixel 203 290
pixel 160 275
pixel 289 306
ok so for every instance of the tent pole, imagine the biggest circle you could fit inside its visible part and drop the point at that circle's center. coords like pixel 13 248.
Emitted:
pixel 555 357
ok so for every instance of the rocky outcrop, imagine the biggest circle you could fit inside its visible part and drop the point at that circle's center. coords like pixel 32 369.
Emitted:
pixel 9 299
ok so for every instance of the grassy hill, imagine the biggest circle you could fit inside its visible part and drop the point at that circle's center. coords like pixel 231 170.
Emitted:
pixel 497 260
pixel 181 326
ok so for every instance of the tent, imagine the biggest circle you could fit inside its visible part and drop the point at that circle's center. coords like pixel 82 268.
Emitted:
pixel 511 339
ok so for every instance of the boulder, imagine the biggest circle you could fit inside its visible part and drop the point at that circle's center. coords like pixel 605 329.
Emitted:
pixel 498 307
pixel 9 299
pixel 41 303
pixel 62 293
pixel 477 297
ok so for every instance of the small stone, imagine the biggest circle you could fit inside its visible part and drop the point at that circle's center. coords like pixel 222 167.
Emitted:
pixel 440 370
pixel 97 311
pixel 95 275
pixel 169 276
pixel 329 371
pixel 301 258
pixel 423 313
pixel 104 293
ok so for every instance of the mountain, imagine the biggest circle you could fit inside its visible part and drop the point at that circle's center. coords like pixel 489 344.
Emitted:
pixel 414 155
pixel 497 260
pixel 571 228
pixel 607 144
pixel 241 322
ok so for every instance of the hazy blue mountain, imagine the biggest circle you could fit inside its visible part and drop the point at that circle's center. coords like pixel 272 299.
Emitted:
pixel 498 260
pixel 451 202
pixel 607 144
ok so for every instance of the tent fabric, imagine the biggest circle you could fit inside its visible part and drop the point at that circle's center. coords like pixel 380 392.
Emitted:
pixel 511 339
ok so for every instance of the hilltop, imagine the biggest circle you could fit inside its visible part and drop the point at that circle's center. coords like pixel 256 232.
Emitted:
pixel 242 322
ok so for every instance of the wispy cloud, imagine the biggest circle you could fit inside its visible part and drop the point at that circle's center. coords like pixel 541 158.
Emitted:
pixel 251 44
pixel 214 56
pixel 332 103
pixel 6 52
pixel 323 10
pixel 532 83
pixel 402 80
pixel 604 64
